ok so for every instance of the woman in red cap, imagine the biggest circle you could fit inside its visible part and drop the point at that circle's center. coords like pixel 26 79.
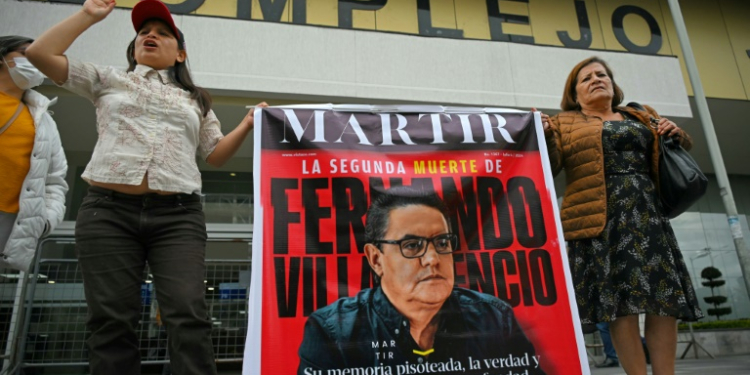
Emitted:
pixel 143 203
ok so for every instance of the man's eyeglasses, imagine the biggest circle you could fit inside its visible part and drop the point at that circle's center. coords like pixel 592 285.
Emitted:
pixel 416 247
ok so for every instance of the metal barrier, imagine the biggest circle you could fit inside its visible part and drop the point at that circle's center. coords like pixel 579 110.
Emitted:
pixel 10 305
pixel 53 314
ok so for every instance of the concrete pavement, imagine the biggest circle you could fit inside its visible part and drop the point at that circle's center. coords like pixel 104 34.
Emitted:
pixel 735 365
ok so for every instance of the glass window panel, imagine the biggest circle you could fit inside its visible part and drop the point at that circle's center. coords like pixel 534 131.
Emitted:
pixel 706 241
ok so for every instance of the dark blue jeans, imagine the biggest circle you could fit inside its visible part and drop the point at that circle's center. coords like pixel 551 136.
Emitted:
pixel 116 235
pixel 609 349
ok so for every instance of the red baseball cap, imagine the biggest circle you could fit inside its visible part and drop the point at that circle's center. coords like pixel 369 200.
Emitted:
pixel 155 9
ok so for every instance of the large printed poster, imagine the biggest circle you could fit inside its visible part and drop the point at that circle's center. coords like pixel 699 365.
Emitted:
pixel 407 240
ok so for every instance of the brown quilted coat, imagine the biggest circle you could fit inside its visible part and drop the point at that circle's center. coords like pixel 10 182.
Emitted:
pixel 574 141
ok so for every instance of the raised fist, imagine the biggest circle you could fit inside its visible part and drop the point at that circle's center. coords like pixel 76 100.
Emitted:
pixel 98 9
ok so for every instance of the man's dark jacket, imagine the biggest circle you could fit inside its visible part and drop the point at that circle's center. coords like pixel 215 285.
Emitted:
pixel 367 331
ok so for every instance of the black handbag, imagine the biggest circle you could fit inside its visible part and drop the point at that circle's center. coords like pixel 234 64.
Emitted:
pixel 681 182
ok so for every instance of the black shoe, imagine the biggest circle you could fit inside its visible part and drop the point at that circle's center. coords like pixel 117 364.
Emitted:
pixel 608 362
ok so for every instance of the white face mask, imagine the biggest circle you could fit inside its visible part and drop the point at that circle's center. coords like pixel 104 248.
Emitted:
pixel 24 74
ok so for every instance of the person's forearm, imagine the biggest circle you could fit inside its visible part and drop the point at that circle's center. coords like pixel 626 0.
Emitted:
pixel 228 146
pixel 47 51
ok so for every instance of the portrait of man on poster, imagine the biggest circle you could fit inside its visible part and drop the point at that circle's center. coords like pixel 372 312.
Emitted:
pixel 415 316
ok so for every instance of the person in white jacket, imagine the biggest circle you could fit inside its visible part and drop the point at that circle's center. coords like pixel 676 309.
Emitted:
pixel 32 161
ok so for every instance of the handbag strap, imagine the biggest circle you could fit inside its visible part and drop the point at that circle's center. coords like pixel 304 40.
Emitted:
pixel 12 118
pixel 637 106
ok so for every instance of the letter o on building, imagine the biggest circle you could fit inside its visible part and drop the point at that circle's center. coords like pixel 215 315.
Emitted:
pixel 618 16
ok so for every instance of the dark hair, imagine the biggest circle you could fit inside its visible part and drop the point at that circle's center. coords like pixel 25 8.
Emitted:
pixel 11 43
pixel 376 224
pixel 180 75
pixel 570 100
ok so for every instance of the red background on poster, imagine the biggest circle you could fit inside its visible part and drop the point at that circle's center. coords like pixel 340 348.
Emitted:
pixel 549 327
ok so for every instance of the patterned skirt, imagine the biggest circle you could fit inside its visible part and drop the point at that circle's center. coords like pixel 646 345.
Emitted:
pixel 635 266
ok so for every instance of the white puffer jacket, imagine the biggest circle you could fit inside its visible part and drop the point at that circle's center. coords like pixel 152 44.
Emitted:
pixel 42 200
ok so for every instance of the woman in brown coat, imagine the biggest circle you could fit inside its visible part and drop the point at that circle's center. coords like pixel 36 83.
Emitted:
pixel 622 251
